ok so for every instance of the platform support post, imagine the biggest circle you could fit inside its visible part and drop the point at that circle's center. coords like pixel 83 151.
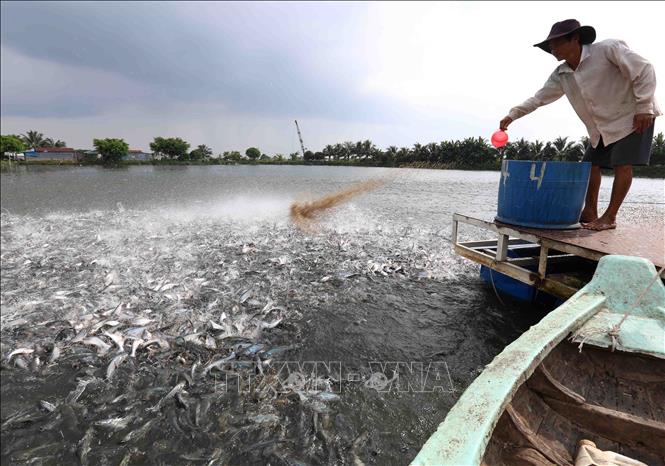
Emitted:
pixel 502 248
pixel 542 261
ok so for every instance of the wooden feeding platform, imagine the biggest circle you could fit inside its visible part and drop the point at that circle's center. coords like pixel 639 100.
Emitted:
pixel 558 262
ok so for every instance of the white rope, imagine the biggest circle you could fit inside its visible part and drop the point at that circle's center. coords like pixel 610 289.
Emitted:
pixel 614 331
pixel 492 280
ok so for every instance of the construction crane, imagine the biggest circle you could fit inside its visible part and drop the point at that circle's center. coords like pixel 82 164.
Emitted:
pixel 302 146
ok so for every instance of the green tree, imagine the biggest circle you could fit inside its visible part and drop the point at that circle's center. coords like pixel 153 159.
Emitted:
pixel 173 148
pixel 658 150
pixel 253 153
pixel 111 150
pixel 264 157
pixel 200 153
pixel 49 142
pixel 279 157
pixel 33 139
pixel 11 143
pixel 294 156
pixel 390 155
pixel 232 156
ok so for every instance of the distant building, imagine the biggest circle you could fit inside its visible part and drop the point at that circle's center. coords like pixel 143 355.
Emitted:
pixel 13 155
pixel 53 153
pixel 137 154
pixel 91 155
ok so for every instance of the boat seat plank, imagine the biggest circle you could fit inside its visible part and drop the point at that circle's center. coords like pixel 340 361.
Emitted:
pixel 615 425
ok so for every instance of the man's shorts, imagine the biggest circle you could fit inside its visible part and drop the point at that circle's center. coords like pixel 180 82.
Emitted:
pixel 634 149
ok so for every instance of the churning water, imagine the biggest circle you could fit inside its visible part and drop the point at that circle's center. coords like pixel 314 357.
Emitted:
pixel 161 315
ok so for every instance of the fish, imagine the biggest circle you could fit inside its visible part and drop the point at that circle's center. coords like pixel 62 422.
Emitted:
pixel 201 411
pixel 136 344
pixel 163 344
pixel 50 407
pixel 141 321
pixel 135 332
pixel 85 445
pixel 104 323
pixel 126 459
pixel 80 336
pixel 273 324
pixel 215 326
pixel 75 394
pixel 26 415
pixel 327 396
pixel 138 433
pixel 108 281
pixel 118 339
pixel 218 363
pixel 245 296
pixel 116 423
pixel 115 363
pixel 21 363
pixel 279 349
pixel 18 351
pixel 98 343
pixel 193 370
pixel 55 354
pixel 175 390
pixel 35 363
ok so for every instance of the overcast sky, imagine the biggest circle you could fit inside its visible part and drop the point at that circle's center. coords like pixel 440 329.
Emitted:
pixel 233 75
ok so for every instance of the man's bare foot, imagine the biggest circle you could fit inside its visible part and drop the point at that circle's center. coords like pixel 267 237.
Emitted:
pixel 588 216
pixel 602 223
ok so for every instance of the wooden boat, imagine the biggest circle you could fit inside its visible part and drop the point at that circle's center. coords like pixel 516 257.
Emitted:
pixel 590 374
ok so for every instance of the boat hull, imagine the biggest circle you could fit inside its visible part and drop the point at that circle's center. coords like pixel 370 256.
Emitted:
pixel 614 399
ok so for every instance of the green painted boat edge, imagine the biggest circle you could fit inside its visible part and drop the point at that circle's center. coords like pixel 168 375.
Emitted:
pixel 462 437
pixel 643 329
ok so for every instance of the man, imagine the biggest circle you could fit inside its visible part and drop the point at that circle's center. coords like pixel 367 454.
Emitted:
pixel 611 88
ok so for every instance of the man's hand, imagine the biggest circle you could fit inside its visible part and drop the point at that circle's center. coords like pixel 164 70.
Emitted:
pixel 503 125
pixel 642 121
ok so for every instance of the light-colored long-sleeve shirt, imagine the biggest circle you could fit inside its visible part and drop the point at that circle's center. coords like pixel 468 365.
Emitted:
pixel 609 87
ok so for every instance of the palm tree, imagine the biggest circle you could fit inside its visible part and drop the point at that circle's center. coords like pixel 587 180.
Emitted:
pixel 33 139
pixel 658 150
pixel 560 145
pixel 59 143
pixel 391 155
pixel 536 149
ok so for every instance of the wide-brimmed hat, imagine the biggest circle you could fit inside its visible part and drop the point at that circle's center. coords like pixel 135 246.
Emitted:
pixel 560 29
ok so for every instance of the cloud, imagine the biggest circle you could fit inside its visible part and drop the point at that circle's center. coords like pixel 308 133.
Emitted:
pixel 267 59
pixel 235 74
pixel 37 87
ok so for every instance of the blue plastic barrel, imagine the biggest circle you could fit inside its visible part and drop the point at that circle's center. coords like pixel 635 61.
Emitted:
pixel 548 195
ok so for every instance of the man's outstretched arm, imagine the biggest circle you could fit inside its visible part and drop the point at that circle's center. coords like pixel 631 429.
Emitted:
pixel 550 92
